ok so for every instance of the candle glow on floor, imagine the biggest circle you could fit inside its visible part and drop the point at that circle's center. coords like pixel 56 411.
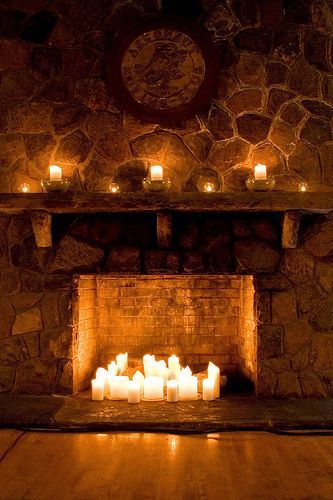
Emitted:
pixel 159 379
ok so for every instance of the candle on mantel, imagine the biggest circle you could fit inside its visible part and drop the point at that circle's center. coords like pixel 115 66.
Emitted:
pixel 122 362
pixel 153 388
pixel 214 374
pixel 25 187
pixel 208 386
pixel 97 389
pixel 260 172
pixel 134 392
pixel 156 173
pixel 55 173
pixel 188 385
pixel 172 391
pixel 119 387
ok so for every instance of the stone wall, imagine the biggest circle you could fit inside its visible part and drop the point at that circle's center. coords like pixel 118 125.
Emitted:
pixel 293 291
pixel 274 103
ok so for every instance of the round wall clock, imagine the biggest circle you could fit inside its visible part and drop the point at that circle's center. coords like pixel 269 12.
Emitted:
pixel 164 70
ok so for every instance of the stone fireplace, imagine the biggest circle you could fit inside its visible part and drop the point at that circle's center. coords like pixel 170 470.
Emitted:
pixel 243 278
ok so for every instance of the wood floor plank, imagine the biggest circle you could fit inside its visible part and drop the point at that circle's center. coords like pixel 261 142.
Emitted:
pixel 143 466
pixel 7 439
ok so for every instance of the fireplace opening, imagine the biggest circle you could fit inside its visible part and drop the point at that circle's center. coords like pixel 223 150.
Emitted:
pixel 198 318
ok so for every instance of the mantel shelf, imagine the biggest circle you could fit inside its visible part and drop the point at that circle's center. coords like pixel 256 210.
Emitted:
pixel 78 203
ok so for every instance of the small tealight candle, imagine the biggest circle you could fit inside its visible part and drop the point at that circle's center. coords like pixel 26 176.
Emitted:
pixel 260 172
pixel 24 188
pixel 55 173
pixel 134 392
pixel 156 173
pixel 114 188
pixel 97 389
pixel 172 391
pixel 303 186
pixel 153 388
pixel 209 187
pixel 208 387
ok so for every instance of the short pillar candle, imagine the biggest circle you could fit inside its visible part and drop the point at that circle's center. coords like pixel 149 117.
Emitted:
pixel 208 386
pixel 156 173
pixel 97 389
pixel 153 388
pixel 172 391
pixel 260 172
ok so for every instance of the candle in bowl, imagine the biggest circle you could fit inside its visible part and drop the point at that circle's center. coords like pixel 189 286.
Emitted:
pixel 208 387
pixel 172 391
pixel 214 374
pixel 55 173
pixel 209 187
pixel 153 388
pixel 156 173
pixel 260 172
pixel 24 188
pixel 119 387
pixel 97 389
pixel 134 392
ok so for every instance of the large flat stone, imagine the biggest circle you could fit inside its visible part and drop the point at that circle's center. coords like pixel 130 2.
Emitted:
pixel 27 321
pixel 72 254
pixel 255 256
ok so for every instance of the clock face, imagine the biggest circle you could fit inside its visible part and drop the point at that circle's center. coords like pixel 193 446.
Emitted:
pixel 163 70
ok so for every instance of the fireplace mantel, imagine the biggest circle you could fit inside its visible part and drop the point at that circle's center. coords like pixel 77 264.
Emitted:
pixel 315 202
pixel 42 206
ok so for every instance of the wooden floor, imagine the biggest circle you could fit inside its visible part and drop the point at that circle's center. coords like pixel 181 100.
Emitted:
pixel 239 465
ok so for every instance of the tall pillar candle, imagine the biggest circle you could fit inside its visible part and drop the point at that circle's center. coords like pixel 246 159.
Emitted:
pixel 139 377
pixel 208 386
pixel 172 391
pixel 134 392
pixel 174 367
pixel 97 389
pixel 214 374
pixel 122 362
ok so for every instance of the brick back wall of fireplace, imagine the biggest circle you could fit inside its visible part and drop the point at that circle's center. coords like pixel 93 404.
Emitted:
pixel 200 318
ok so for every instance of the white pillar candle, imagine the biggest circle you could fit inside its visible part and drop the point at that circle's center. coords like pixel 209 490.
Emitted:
pixel 188 388
pixel 156 173
pixel 214 374
pixel 260 172
pixel 134 391
pixel 174 367
pixel 122 362
pixel 119 387
pixel 101 374
pixel 113 368
pixel 97 389
pixel 172 391
pixel 149 365
pixel 139 377
pixel 153 388
pixel 55 173
pixel 208 386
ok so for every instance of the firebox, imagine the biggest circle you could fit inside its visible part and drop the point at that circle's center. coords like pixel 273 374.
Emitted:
pixel 200 318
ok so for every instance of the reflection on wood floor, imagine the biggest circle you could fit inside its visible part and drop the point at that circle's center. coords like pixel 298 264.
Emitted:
pixel 239 465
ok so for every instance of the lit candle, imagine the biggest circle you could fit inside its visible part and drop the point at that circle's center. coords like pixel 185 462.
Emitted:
pixel 214 374
pixel 113 368
pixel 303 186
pixel 188 385
pixel 119 387
pixel 209 187
pixel 260 172
pixel 174 367
pixel 153 388
pixel 122 362
pixel 208 386
pixel 156 173
pixel 139 377
pixel 114 187
pixel 97 390
pixel 101 374
pixel 25 187
pixel 134 392
pixel 149 365
pixel 55 173
pixel 172 391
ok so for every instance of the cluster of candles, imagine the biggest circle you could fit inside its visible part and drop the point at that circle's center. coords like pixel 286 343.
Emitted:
pixel 178 382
